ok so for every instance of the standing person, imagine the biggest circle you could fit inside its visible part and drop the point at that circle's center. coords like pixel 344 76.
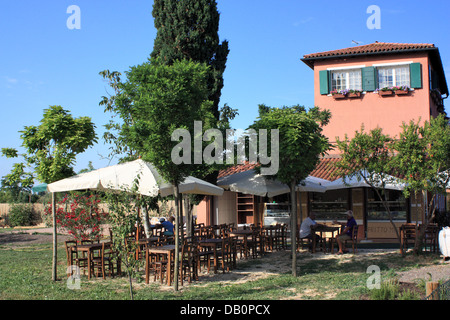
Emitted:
pixel 347 233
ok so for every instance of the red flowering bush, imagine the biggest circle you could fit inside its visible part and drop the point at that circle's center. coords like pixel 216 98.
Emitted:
pixel 79 216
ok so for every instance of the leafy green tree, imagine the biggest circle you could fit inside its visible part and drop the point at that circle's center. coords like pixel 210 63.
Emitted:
pixel 51 147
pixel 188 29
pixel 301 143
pixel 420 156
pixel 154 101
pixel 423 159
pixel 369 157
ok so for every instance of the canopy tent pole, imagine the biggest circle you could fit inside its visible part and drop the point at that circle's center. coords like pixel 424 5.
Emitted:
pixel 55 240
pixel 177 236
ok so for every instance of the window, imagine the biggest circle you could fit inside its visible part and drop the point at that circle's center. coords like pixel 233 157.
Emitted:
pixel 346 79
pixel 370 78
pixel 331 205
pixel 377 211
pixel 393 76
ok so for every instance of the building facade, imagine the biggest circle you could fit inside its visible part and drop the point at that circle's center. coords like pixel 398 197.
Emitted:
pixel 353 83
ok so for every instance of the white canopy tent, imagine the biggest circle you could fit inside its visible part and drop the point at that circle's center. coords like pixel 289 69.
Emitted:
pixel 125 176
pixel 357 181
pixel 138 176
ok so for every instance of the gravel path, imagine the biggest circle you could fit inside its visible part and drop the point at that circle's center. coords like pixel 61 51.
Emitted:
pixel 431 273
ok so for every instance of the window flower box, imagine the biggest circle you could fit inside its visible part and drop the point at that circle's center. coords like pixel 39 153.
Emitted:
pixel 339 94
pixel 386 91
pixel 402 90
pixel 354 94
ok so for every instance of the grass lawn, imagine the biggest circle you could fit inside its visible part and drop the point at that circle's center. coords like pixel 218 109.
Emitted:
pixel 25 274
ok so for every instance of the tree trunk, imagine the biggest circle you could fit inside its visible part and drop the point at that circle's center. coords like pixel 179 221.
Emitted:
pixel 418 243
pixel 146 222
pixel 55 240
pixel 189 217
pixel 293 228
pixel 176 233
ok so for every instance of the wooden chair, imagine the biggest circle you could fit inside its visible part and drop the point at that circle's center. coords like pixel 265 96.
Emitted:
pixel 256 244
pixel 408 233
pixel 188 261
pixel 268 237
pixel 156 264
pixel 430 239
pixel 354 239
pixel 72 257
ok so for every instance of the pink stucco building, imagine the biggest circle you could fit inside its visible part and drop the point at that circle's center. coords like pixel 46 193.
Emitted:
pixel 366 71
pixel 375 66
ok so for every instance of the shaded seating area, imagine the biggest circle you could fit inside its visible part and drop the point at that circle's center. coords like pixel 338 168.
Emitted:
pixel 93 258
pixel 410 231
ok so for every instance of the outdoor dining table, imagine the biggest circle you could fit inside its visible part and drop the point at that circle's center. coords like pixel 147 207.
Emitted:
pixel 213 243
pixel 142 242
pixel 244 234
pixel 167 250
pixel 89 248
pixel 323 229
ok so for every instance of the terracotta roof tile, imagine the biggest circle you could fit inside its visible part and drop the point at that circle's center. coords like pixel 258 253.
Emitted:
pixel 377 47
pixel 236 169
pixel 325 169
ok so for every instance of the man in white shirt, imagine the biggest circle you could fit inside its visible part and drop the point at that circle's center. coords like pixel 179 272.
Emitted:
pixel 305 228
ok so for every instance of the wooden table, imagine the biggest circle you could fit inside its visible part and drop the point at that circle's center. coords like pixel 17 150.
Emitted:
pixel 321 229
pixel 214 244
pixel 89 249
pixel 142 242
pixel 243 234
pixel 169 251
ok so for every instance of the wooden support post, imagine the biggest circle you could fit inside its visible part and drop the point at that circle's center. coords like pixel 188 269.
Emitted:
pixel 432 286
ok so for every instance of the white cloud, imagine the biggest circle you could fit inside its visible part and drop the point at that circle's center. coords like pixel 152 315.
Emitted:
pixel 303 21
pixel 11 80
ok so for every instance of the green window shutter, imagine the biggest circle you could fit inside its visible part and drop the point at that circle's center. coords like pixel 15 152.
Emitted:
pixel 415 71
pixel 369 81
pixel 324 76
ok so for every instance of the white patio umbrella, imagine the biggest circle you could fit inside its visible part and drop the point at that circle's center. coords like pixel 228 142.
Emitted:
pixel 250 182
pixel 357 181
pixel 312 184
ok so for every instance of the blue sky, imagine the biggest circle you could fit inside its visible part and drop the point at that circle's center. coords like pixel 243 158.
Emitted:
pixel 44 63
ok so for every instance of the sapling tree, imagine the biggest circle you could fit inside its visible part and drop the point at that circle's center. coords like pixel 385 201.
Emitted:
pixel 301 143
pixel 51 149
pixel 154 101
pixel 423 159
pixel 368 156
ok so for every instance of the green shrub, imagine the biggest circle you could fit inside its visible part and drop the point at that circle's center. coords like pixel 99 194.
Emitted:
pixel 20 215
pixel 388 291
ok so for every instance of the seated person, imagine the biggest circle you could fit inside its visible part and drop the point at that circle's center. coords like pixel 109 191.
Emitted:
pixel 305 228
pixel 347 232
pixel 168 225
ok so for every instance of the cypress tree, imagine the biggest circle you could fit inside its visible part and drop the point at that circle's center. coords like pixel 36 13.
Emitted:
pixel 188 29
